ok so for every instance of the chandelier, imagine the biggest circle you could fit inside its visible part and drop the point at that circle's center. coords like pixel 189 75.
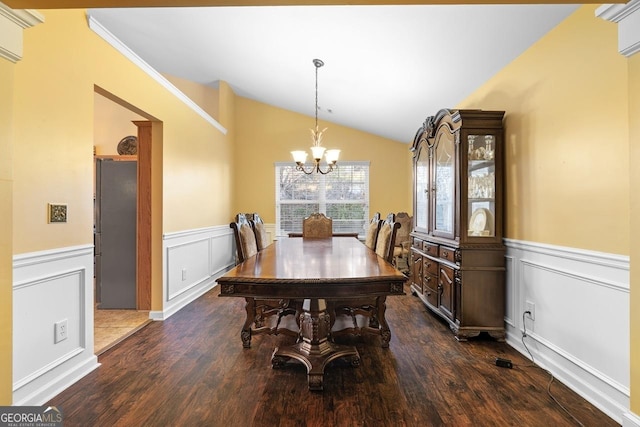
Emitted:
pixel 317 150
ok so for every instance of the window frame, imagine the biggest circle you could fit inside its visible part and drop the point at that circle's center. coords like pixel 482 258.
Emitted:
pixel 321 200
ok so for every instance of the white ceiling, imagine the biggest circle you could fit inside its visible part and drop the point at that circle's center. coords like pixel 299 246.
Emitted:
pixel 386 67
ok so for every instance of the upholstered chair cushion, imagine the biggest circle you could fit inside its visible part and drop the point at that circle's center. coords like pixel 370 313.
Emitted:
pixel 372 235
pixel 248 241
pixel 403 234
pixel 384 238
pixel 262 240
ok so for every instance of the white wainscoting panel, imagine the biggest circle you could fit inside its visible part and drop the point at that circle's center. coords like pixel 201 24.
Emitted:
pixel 48 287
pixel 192 261
pixel 581 327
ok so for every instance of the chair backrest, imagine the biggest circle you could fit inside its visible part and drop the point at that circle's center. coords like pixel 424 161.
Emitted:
pixel 372 231
pixel 246 245
pixel 317 225
pixel 262 240
pixel 406 223
pixel 387 238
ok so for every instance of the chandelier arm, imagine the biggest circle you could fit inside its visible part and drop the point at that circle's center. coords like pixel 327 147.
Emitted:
pixel 330 168
pixel 301 168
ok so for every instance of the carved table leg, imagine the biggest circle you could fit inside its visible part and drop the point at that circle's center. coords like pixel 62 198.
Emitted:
pixel 315 350
pixel 245 334
pixel 385 332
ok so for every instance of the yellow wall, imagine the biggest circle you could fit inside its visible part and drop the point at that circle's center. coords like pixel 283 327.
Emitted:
pixel 634 156
pixel 111 123
pixel 206 97
pixel 567 137
pixel 54 135
pixel 265 135
pixel 6 219
pixel 573 158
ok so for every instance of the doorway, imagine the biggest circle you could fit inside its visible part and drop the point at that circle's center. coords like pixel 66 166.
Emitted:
pixel 118 315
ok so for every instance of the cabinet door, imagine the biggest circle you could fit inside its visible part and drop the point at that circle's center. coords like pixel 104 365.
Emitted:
pixel 421 196
pixel 481 187
pixel 444 184
pixel 416 270
pixel 446 288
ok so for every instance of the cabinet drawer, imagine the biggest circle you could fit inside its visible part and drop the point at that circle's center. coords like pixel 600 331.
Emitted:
pixel 429 266
pixel 429 286
pixel 416 243
pixel 447 253
pixel 430 248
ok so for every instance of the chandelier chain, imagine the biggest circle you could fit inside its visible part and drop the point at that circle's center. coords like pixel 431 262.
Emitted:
pixel 317 66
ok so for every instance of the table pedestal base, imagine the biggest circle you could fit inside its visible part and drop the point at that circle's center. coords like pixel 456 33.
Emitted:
pixel 315 351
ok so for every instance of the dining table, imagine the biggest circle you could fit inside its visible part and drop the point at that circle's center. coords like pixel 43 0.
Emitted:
pixel 314 271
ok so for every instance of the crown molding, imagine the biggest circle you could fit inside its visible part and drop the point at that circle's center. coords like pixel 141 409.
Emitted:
pixel 627 16
pixel 12 23
pixel 117 44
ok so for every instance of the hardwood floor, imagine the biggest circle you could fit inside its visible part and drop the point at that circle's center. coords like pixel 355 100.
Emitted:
pixel 191 370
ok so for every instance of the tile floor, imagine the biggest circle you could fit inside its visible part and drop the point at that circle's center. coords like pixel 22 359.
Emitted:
pixel 113 326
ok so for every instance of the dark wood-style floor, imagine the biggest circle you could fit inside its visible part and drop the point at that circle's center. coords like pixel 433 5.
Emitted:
pixel 191 370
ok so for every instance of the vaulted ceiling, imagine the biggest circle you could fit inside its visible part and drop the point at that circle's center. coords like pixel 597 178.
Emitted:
pixel 387 67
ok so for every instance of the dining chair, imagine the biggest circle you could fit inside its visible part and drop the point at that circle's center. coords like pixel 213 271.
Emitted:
pixel 246 247
pixel 262 239
pixel 368 307
pixel 387 237
pixel 372 231
pixel 403 242
pixel 317 225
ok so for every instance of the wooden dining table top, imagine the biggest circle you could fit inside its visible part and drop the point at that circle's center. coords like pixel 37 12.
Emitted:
pixel 315 268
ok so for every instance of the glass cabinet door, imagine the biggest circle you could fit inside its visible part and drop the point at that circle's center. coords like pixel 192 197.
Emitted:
pixel 444 179
pixel 421 211
pixel 481 186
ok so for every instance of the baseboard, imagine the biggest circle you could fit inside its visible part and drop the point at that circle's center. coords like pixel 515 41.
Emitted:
pixel 629 419
pixel 48 391
pixel 186 300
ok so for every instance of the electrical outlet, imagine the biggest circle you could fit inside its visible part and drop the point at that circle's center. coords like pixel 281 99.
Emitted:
pixel 184 274
pixel 60 329
pixel 531 308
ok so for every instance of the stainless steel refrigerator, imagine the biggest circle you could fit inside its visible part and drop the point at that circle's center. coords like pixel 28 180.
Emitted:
pixel 115 233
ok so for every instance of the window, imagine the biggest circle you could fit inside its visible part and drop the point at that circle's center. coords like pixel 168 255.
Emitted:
pixel 342 195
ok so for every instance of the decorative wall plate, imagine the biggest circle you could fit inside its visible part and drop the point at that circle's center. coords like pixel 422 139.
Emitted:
pixel 481 223
pixel 128 145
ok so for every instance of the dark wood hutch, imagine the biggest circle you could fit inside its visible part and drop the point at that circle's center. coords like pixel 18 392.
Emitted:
pixel 457 253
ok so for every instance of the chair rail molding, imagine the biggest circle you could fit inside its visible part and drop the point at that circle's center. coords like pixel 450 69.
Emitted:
pixel 627 16
pixel 12 23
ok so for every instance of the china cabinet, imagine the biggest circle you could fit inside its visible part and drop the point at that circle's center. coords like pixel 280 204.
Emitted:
pixel 457 253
